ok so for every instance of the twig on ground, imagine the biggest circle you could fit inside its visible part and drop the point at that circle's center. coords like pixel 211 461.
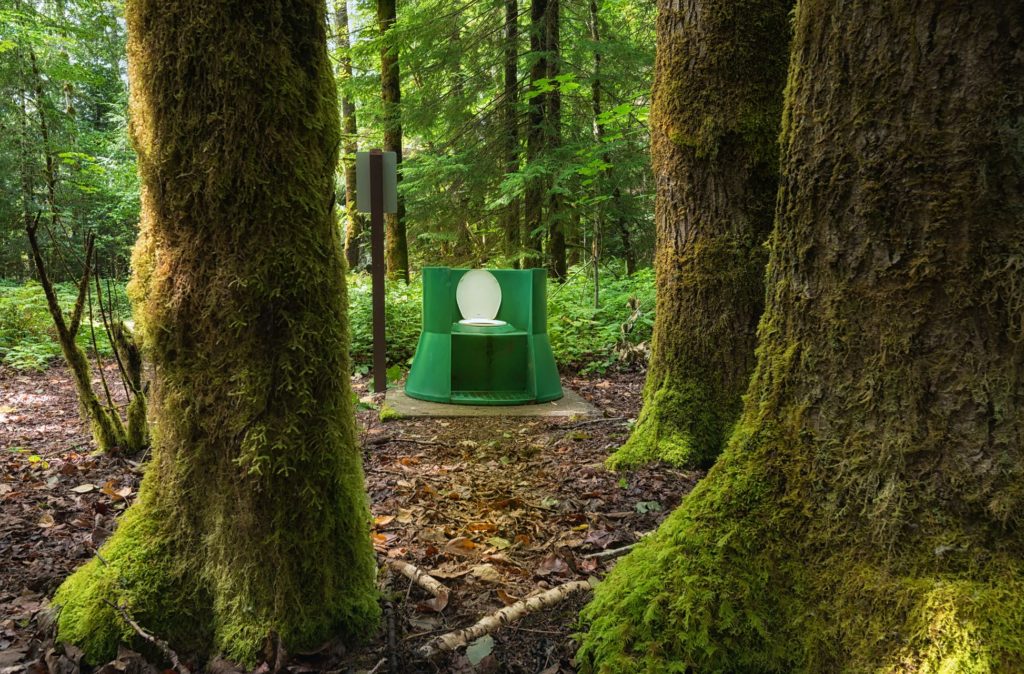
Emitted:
pixel 156 641
pixel 377 666
pixel 608 554
pixel 498 619
pixel 394 657
pixel 424 580
pixel 384 440
pixel 595 421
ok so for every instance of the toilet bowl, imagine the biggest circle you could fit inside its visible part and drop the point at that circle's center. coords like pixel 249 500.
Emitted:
pixel 478 296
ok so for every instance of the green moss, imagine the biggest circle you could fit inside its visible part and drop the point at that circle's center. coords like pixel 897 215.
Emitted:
pixel 718 589
pixel 142 568
pixel 387 413
pixel 678 425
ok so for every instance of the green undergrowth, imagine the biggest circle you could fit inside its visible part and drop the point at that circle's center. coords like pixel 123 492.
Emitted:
pixel 583 338
pixel 28 340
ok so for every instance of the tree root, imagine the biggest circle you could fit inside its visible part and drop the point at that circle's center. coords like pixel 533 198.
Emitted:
pixel 156 641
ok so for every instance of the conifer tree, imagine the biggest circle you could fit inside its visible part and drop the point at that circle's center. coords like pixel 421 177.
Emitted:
pixel 866 513
pixel 717 102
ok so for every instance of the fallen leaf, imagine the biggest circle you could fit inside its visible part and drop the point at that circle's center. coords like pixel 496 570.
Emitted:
pixel 442 572
pixel 499 542
pixel 506 598
pixel 46 521
pixel 486 572
pixel 552 564
pixel 479 649
pixel 435 604
pixel 116 493
pixel 383 520
pixel 84 488
pixel 460 546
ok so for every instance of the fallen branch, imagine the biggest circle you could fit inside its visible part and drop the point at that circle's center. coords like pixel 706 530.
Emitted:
pixel 607 554
pixel 420 577
pixel 595 421
pixel 384 440
pixel 498 619
pixel 156 641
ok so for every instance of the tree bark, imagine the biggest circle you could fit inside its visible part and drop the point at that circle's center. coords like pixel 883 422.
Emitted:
pixel 396 246
pixel 349 131
pixel 621 226
pixel 510 94
pixel 717 102
pixel 866 515
pixel 556 224
pixel 533 197
pixel 252 515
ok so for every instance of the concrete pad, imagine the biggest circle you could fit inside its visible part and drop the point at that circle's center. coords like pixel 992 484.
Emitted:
pixel 570 405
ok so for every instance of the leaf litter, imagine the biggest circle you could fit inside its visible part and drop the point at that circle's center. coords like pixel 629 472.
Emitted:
pixel 497 509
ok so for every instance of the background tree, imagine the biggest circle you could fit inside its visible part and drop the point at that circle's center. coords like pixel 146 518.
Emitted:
pixel 349 130
pixel 866 514
pixel 555 215
pixel 714 124
pixel 510 94
pixel 62 139
pixel 252 516
pixel 396 247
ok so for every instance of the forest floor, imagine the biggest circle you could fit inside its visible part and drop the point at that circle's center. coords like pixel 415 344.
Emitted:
pixel 494 508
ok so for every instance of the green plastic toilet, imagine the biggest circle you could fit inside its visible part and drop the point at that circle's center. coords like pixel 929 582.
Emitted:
pixel 484 339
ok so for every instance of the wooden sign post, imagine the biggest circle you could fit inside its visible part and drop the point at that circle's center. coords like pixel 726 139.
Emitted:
pixel 377 194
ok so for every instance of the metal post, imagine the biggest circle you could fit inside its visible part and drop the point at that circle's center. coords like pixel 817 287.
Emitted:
pixel 380 377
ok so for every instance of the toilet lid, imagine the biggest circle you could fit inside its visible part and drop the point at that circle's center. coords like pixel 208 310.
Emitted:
pixel 478 296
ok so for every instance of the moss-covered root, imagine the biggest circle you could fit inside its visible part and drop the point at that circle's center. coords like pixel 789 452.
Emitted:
pixel 144 568
pixel 678 425
pixel 717 590
pixel 169 583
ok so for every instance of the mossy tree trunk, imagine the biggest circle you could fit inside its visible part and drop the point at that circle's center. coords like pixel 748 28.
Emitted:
pixel 866 515
pixel 349 130
pixel 717 102
pixel 396 245
pixel 252 515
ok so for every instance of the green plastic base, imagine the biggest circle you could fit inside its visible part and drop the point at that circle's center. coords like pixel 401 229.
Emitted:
pixel 510 364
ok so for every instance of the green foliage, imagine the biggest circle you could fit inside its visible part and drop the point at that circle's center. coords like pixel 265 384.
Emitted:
pixel 592 340
pixel 402 304
pixel 28 339
pixel 583 338
pixel 62 100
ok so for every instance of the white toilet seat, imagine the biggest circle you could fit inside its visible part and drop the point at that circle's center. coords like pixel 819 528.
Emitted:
pixel 479 298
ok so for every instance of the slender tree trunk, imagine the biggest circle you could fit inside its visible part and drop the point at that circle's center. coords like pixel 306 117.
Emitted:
pixel 510 93
pixel 533 198
pixel 556 224
pixel 715 114
pixel 621 226
pixel 396 247
pixel 349 131
pixel 866 515
pixel 252 516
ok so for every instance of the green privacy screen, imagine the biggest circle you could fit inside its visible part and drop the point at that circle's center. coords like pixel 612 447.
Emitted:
pixel 511 364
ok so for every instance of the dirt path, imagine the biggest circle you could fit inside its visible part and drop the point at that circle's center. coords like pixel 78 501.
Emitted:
pixel 495 508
